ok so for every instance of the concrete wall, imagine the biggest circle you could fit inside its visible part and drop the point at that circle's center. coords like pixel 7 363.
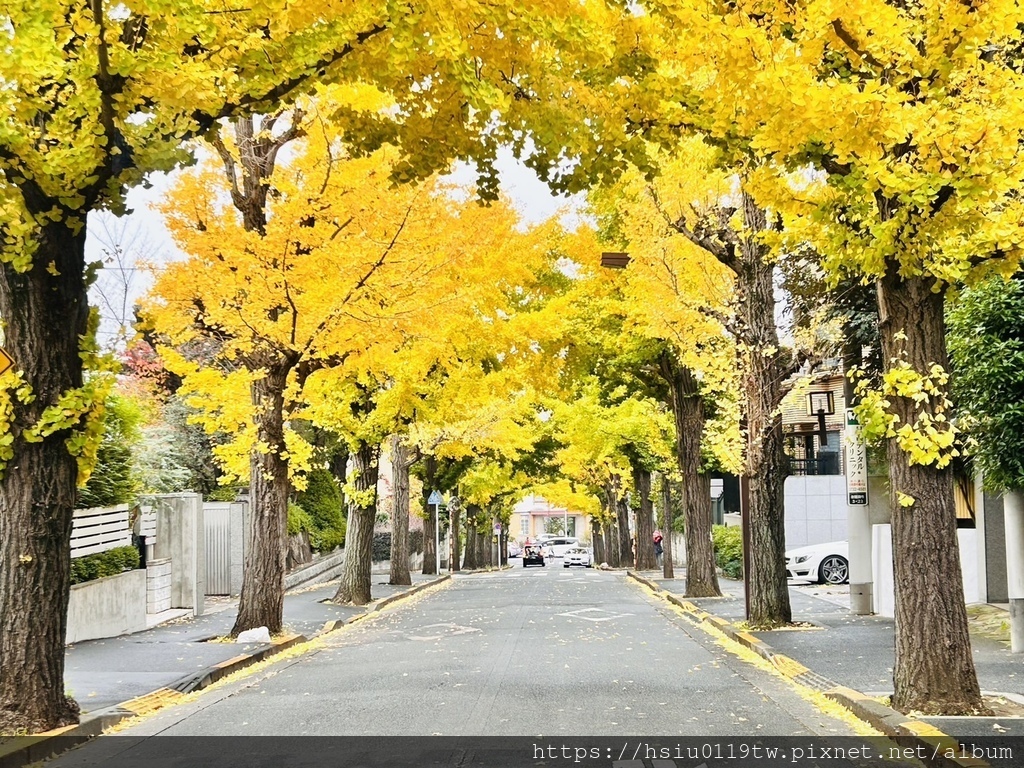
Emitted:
pixel 181 538
pixel 882 570
pixel 107 607
pixel 158 586
pixel 815 509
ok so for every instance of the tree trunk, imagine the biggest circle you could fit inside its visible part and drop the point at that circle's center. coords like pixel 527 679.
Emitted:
pixel 646 560
pixel 400 465
pixel 690 416
pixel 597 536
pixel 362 511
pixel 262 600
pixel 668 568
pixel 430 558
pixel 471 560
pixel 44 312
pixel 625 545
pixel 453 526
pixel 934 671
pixel 611 545
pixel 762 383
pixel 486 549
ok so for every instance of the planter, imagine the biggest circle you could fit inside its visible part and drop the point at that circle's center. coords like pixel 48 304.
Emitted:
pixel 107 607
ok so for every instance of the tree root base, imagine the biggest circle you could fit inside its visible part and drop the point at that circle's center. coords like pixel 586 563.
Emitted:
pixel 16 723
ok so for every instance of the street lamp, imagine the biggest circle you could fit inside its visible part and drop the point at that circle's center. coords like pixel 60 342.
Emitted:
pixel 614 260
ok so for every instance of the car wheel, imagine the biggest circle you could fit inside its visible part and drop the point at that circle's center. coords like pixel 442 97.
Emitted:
pixel 834 570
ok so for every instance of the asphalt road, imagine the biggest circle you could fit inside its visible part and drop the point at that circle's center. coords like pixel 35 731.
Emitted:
pixel 536 651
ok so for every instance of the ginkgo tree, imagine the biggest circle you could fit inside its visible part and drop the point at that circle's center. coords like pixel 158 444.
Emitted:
pixel 888 137
pixel 334 289
pixel 675 293
pixel 97 96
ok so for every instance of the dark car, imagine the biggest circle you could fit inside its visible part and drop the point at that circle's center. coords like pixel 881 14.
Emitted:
pixel 532 556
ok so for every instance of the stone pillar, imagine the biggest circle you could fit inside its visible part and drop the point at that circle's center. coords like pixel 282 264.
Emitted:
pixel 181 538
pixel 1013 516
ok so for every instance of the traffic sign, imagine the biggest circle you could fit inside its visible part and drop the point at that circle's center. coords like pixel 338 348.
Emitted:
pixel 435 498
pixel 6 361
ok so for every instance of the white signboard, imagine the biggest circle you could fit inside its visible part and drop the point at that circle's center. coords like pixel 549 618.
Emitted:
pixel 856 463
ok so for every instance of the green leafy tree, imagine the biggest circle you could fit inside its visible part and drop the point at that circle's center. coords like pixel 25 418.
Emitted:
pixel 986 345
pixel 115 478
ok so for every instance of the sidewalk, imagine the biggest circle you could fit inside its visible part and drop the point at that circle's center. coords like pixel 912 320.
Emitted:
pixel 103 673
pixel 858 651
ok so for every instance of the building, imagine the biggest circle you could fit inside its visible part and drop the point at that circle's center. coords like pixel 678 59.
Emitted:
pixel 535 516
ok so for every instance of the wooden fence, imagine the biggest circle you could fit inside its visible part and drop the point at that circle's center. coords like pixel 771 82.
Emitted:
pixel 100 529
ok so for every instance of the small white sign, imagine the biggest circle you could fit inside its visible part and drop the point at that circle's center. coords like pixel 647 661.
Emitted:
pixel 435 498
pixel 856 463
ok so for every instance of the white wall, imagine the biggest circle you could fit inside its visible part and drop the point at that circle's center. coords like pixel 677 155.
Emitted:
pixel 881 568
pixel 815 509
pixel 107 607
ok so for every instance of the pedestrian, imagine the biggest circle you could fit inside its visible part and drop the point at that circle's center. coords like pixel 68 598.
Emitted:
pixel 658 549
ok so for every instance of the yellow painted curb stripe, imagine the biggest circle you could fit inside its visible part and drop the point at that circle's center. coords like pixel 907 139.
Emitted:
pixel 151 702
pixel 918 728
pixel 789 667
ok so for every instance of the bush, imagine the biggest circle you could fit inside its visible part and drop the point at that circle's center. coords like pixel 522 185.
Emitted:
pixel 415 541
pixel 728 543
pixel 298 520
pixel 323 504
pixel 109 563
pixel 381 546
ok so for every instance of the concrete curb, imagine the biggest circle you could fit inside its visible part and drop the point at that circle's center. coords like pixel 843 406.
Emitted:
pixel 25 750
pixel 377 605
pixel 906 731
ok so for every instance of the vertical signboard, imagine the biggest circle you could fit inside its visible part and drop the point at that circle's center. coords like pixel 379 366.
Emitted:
pixel 856 463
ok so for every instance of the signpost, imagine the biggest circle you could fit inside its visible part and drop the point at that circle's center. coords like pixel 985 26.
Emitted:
pixel 856 463
pixel 6 361
pixel 435 499
pixel 858 518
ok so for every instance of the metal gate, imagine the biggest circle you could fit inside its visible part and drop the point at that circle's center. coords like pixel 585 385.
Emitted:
pixel 217 520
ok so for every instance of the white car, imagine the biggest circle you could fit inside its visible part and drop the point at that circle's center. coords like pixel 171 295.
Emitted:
pixel 577 556
pixel 822 563
pixel 557 546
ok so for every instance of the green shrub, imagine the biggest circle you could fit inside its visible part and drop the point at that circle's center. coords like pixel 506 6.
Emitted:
pixel 323 504
pixel 298 520
pixel 416 541
pixel 109 563
pixel 728 543
pixel 381 546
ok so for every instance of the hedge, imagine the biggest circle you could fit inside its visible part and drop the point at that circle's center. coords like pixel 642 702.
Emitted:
pixel 109 563
pixel 728 542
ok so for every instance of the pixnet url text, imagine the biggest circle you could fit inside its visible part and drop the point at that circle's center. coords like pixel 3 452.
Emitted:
pixel 741 750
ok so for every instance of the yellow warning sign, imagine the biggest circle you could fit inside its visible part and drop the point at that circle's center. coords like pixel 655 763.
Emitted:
pixel 6 361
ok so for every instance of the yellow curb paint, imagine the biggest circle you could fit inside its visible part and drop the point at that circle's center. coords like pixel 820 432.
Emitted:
pixel 918 728
pixel 789 667
pixel 232 660
pixel 151 702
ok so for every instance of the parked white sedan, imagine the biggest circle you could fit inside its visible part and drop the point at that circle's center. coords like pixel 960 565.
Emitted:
pixel 577 556
pixel 823 563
